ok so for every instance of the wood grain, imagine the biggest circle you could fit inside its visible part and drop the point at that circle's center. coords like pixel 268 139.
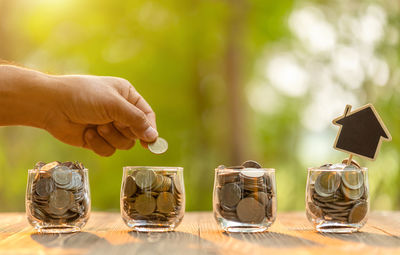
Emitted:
pixel 106 233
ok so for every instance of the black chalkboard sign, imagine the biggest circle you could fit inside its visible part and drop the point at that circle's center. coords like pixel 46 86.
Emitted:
pixel 361 132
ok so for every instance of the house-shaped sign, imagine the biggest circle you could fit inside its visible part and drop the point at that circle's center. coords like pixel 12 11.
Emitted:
pixel 361 132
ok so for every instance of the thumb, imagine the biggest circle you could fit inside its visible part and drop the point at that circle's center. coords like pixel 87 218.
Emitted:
pixel 134 118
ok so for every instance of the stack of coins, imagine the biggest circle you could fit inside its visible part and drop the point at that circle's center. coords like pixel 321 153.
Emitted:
pixel 153 196
pixel 59 192
pixel 245 194
pixel 338 193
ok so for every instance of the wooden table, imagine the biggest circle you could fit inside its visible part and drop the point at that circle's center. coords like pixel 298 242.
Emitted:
pixel 105 233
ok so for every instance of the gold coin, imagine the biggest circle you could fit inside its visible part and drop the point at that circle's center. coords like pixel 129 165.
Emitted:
pixel 177 185
pixel 145 204
pixel 159 146
pixel 130 186
pixel 358 213
pixel 261 197
pixel 250 210
pixel 165 202
pixel 230 195
pixel 50 166
pixel 314 210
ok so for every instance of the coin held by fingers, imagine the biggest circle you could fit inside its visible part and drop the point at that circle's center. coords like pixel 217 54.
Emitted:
pixel 159 146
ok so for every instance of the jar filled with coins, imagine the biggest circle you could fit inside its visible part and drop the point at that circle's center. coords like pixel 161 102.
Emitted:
pixel 58 197
pixel 244 197
pixel 152 198
pixel 337 197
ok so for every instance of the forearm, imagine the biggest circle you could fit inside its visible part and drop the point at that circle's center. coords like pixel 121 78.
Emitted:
pixel 23 95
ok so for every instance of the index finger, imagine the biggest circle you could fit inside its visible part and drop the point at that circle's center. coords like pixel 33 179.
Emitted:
pixel 137 100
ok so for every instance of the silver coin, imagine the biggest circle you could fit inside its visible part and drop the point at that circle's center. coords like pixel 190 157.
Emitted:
pixel 54 211
pixel 326 166
pixel 337 166
pixel 353 194
pixel 159 146
pixel 39 214
pixel 313 176
pixel 352 177
pixel 145 178
pixel 61 199
pixel 252 173
pixel 62 175
pixel 76 180
pixel 79 196
pixel 327 183
pixel 44 187
pixel 251 164
pixel 76 208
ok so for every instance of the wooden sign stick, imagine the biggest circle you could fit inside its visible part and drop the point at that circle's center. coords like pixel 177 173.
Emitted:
pixel 346 111
pixel 349 159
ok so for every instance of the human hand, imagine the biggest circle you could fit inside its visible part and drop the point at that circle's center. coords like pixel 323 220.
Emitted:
pixel 99 113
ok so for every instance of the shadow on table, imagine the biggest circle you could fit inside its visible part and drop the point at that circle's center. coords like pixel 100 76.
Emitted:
pixel 143 243
pixel 367 238
pixel 272 239
pixel 176 242
pixel 81 240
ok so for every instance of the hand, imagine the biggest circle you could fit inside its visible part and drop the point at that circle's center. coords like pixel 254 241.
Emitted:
pixel 99 113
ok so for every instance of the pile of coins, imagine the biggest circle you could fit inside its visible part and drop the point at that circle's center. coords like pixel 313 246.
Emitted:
pixel 245 194
pixel 153 196
pixel 338 194
pixel 59 192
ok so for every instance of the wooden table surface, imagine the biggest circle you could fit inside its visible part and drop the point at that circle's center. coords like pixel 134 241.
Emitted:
pixel 106 233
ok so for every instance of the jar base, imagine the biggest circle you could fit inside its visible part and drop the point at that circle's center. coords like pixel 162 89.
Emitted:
pixel 239 227
pixel 141 226
pixel 151 228
pixel 335 227
pixel 58 230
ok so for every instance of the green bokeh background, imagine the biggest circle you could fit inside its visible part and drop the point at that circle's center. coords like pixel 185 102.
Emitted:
pixel 228 80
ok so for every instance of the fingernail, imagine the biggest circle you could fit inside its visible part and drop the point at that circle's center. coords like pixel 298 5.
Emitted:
pixel 150 134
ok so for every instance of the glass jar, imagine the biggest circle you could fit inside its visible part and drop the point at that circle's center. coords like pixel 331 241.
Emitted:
pixel 337 198
pixel 244 199
pixel 152 198
pixel 58 197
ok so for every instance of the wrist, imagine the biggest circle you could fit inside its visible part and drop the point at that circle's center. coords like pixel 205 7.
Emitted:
pixel 25 97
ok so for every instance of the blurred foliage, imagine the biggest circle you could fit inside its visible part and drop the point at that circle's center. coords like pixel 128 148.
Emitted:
pixel 297 64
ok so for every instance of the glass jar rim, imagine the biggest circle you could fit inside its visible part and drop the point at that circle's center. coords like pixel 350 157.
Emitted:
pixel 262 169
pixel 314 169
pixel 155 168
pixel 37 170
